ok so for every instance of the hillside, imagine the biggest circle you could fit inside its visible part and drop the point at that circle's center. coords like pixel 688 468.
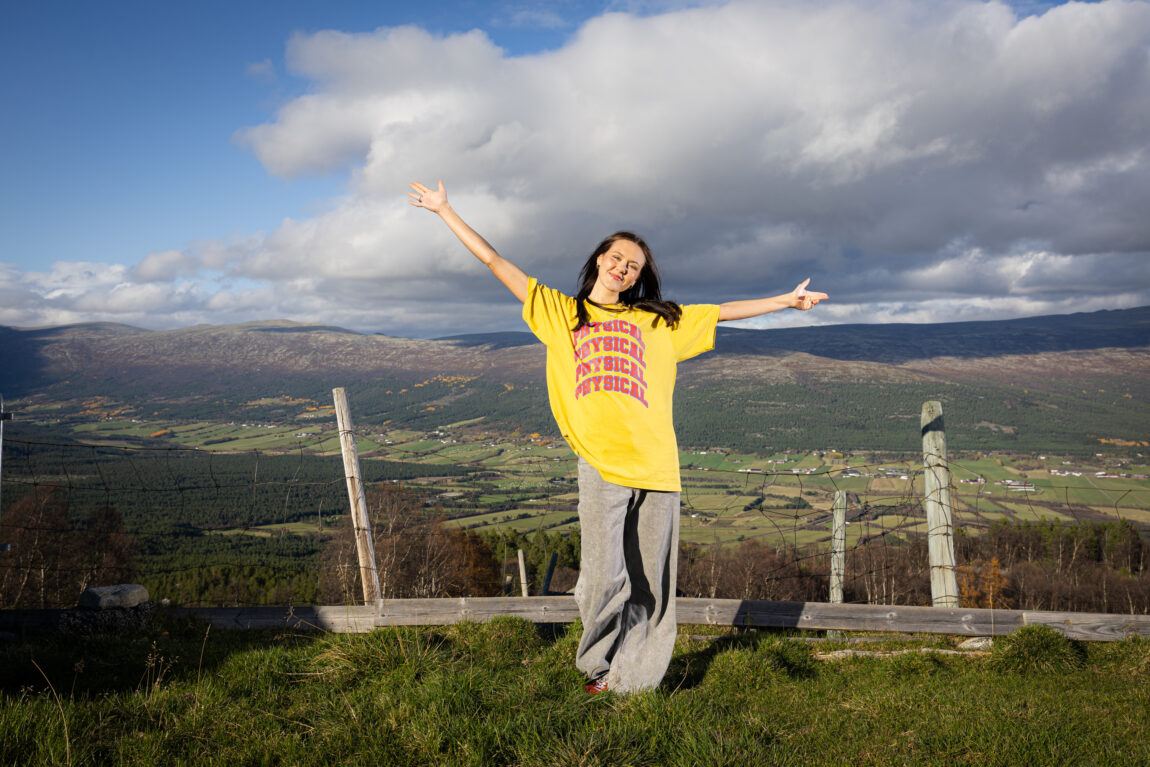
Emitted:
pixel 1084 376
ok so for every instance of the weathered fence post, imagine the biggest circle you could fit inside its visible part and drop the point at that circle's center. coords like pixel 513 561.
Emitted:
pixel 838 546
pixel 939 512
pixel 523 574
pixel 358 498
pixel 838 552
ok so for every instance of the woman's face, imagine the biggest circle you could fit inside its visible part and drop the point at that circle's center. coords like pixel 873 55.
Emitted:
pixel 619 267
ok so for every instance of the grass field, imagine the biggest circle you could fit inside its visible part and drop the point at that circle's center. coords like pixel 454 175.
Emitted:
pixel 503 693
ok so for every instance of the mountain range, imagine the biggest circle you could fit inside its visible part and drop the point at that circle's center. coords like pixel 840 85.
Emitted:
pixel 1102 358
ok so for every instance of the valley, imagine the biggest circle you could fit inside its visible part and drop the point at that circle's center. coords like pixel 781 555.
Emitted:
pixel 218 446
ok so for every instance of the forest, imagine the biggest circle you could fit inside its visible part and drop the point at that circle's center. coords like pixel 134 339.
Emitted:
pixel 77 515
pixel 1086 566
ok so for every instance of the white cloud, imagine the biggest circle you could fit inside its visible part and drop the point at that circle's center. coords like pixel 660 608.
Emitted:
pixel 165 266
pixel 935 160
pixel 261 70
pixel 74 278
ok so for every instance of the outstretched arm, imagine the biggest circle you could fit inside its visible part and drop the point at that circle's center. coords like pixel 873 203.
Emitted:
pixel 435 200
pixel 800 298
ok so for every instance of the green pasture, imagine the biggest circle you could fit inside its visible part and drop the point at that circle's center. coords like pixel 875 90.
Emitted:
pixel 399 435
pixel 809 462
pixel 497 518
pixel 1025 512
pixel 1138 516
pixel 416 449
pixel 892 486
pixel 289 528
pixel 974 522
pixel 268 440
pixel 469 453
pixel 796 516
pixel 716 503
pixel 441 457
pixel 1105 492
pixel 850 484
pixel 240 438
pixel 975 503
pixel 731 531
pixel 710 460
pixel 539 519
pixel 990 468
pixel 117 429
pixel 720 485
pixel 708 534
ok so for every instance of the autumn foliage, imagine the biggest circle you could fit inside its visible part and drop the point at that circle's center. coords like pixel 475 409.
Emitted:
pixel 416 556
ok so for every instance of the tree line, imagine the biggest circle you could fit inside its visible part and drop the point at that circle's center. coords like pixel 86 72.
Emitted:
pixel 165 490
pixel 1082 567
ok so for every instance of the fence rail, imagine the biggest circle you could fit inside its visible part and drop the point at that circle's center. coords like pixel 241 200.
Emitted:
pixel 690 611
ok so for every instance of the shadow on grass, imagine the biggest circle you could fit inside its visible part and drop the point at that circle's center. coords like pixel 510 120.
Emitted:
pixel 165 648
pixel 689 669
pixel 119 661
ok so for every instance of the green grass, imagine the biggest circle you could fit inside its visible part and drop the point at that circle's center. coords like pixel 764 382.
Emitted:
pixel 546 520
pixel 503 693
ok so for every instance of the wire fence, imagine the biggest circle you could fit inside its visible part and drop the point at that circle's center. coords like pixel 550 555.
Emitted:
pixel 214 527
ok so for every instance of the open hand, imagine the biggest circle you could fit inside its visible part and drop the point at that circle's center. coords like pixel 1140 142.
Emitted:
pixel 803 299
pixel 423 196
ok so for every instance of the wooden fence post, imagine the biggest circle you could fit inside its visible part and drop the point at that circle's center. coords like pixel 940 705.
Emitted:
pixel 523 574
pixel 939 512
pixel 358 498
pixel 838 553
pixel 838 546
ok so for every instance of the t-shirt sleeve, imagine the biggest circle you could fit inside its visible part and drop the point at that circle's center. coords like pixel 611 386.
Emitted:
pixel 695 332
pixel 548 313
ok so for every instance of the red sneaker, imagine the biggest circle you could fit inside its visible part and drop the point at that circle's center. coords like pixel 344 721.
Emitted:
pixel 597 685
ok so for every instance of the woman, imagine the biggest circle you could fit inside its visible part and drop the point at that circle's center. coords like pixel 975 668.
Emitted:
pixel 612 353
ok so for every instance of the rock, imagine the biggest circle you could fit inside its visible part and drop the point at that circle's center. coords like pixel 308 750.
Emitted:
pixel 108 597
pixel 977 643
pixel 114 620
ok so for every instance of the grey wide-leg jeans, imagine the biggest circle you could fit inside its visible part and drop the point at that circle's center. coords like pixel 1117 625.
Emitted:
pixel 626 588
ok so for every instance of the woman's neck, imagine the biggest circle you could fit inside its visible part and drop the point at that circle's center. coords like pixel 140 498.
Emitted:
pixel 603 296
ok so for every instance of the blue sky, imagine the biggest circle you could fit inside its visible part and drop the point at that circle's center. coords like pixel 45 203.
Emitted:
pixel 166 164
pixel 118 120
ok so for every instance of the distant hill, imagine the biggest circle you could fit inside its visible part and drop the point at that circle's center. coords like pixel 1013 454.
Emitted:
pixel 903 342
pixel 1088 367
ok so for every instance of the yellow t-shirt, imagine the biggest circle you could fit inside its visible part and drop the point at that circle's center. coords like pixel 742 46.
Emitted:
pixel 611 384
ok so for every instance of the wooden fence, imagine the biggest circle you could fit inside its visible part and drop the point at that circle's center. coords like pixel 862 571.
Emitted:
pixel 815 616
pixel 968 622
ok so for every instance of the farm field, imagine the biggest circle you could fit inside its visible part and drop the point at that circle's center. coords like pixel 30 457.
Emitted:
pixel 527 482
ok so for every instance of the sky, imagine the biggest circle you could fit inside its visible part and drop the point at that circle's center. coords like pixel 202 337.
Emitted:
pixel 170 164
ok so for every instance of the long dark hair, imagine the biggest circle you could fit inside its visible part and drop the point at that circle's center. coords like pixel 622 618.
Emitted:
pixel 645 294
